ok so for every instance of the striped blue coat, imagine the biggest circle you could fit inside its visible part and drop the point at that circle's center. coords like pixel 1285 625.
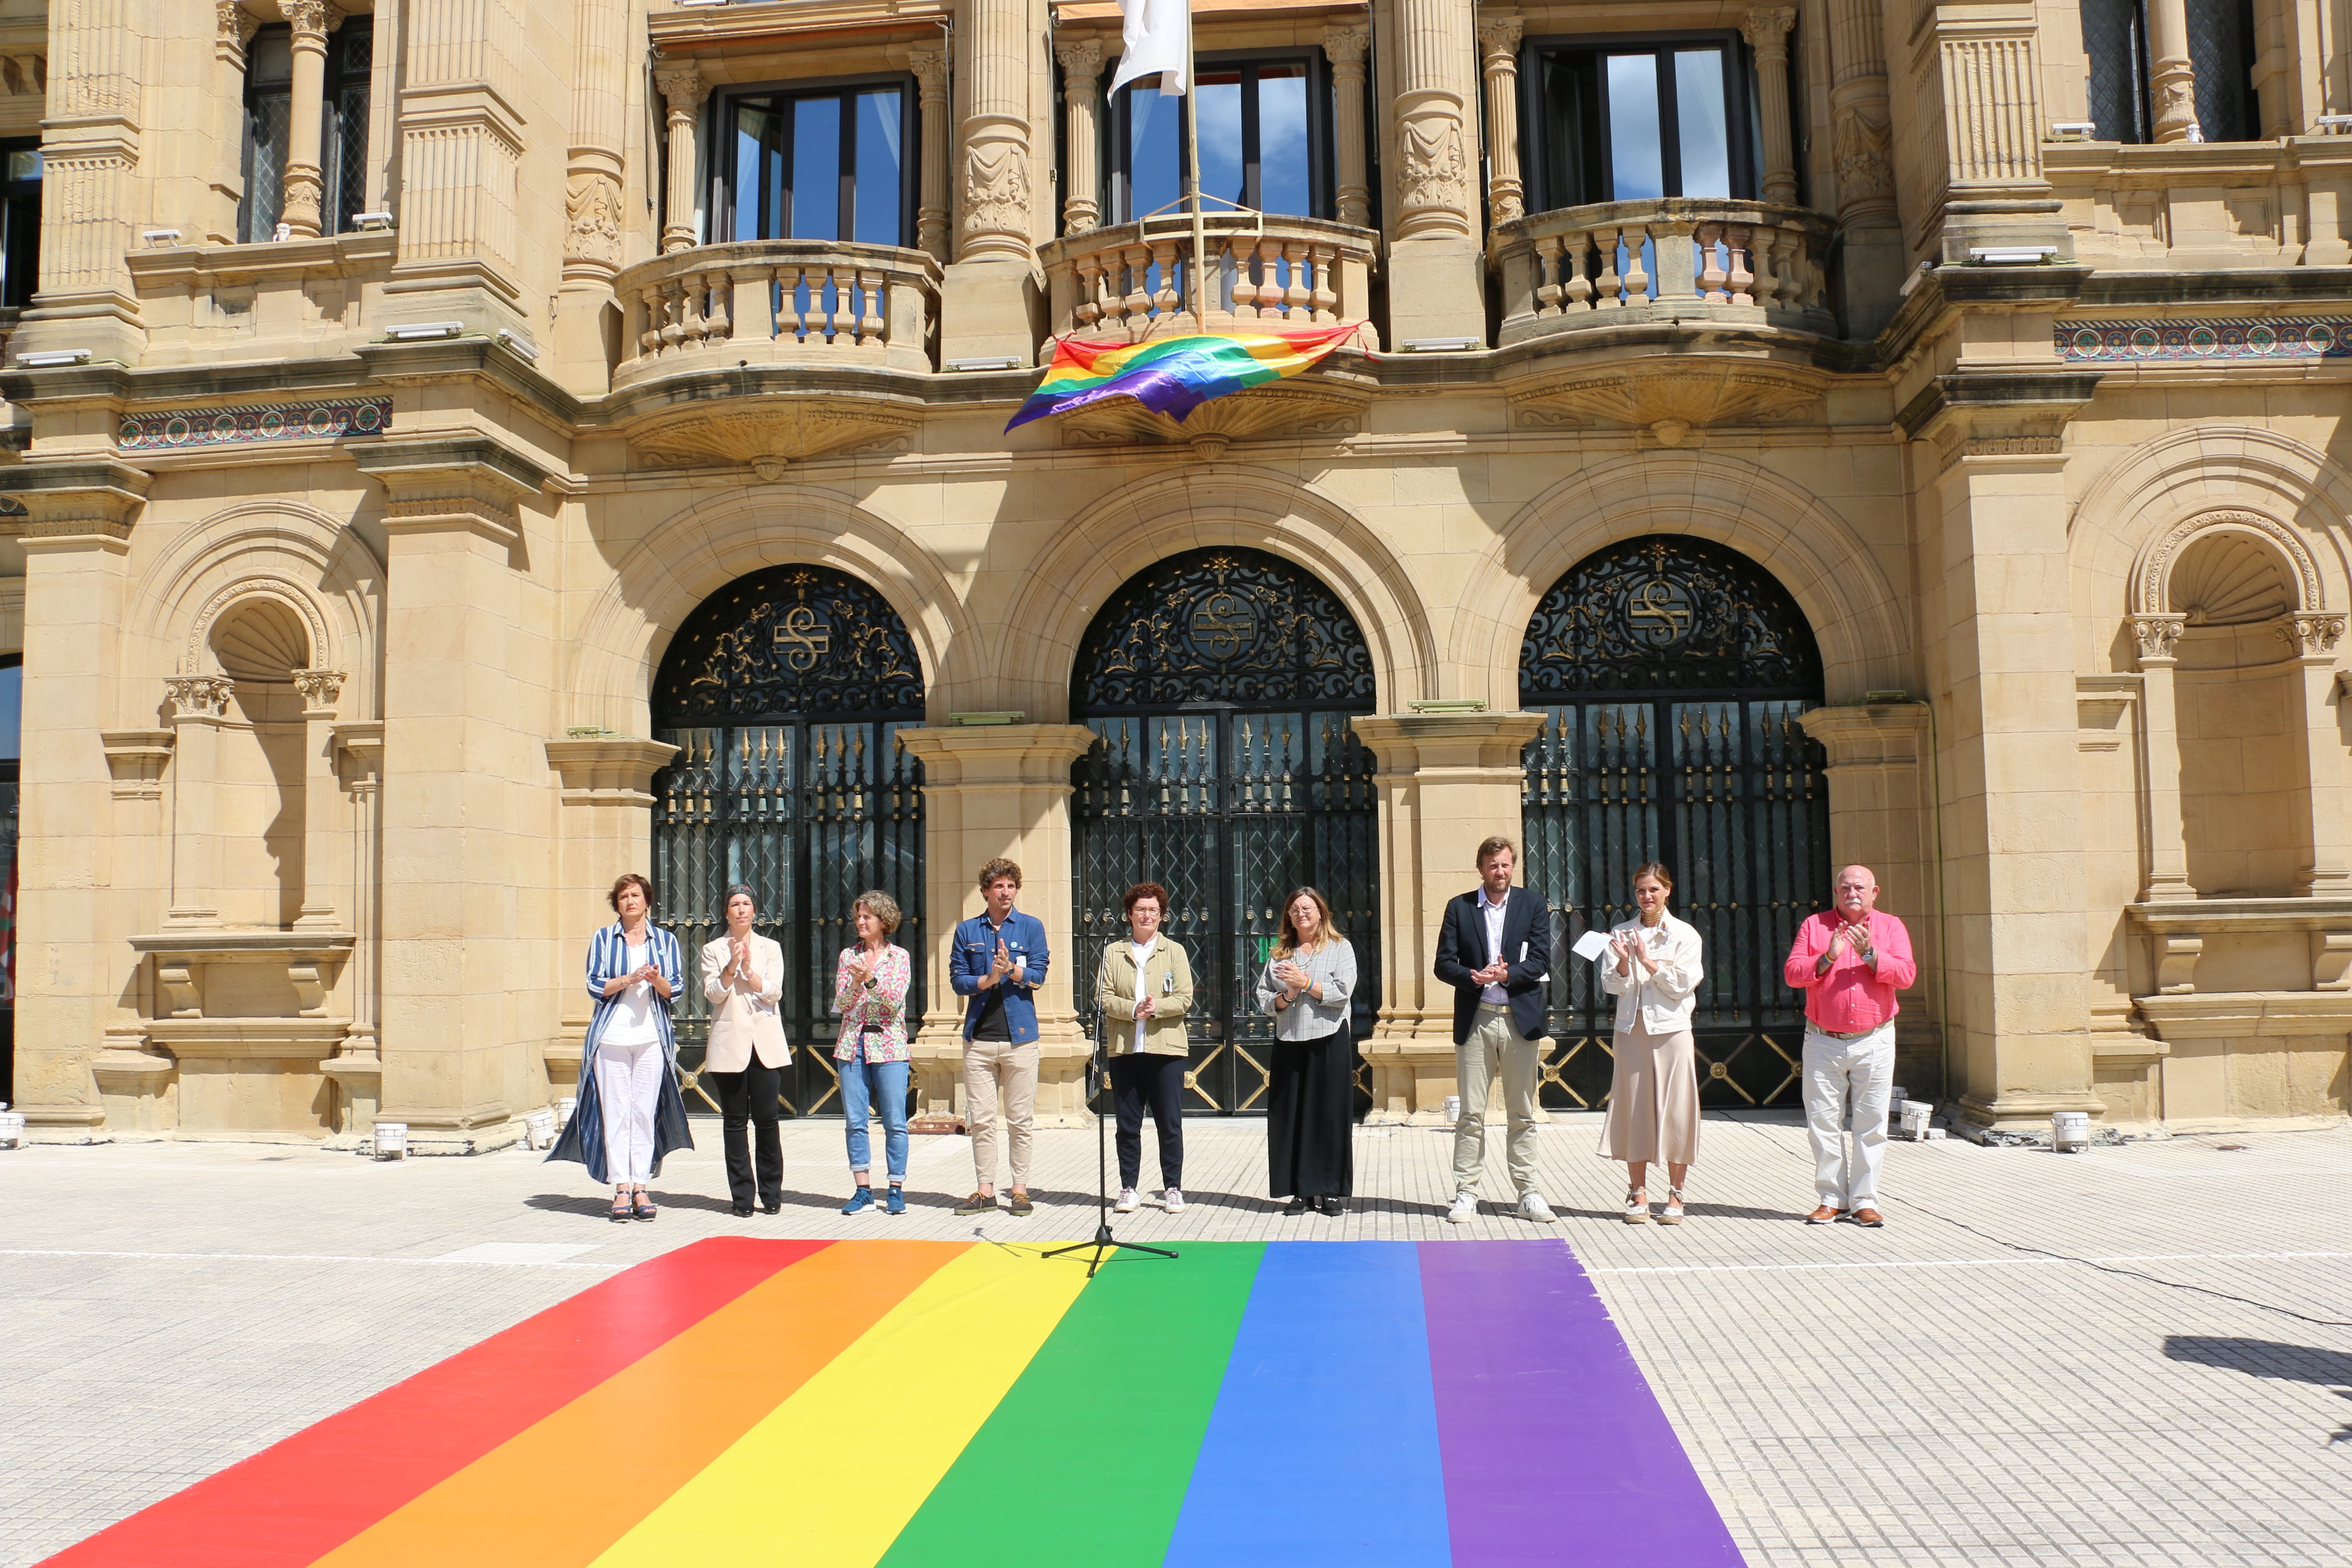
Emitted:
pixel 584 1135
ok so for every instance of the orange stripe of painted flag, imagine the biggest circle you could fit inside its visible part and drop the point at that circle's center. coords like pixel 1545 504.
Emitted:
pixel 285 1505
pixel 557 1495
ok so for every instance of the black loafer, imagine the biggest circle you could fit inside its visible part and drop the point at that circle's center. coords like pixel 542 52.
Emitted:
pixel 773 1205
pixel 1295 1207
pixel 1332 1207
pixel 743 1211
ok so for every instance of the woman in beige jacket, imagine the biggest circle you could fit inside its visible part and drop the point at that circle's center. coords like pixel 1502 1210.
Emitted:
pixel 743 976
pixel 1144 989
pixel 1652 966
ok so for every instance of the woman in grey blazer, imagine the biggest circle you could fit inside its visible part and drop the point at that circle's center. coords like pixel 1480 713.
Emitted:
pixel 743 976
pixel 1309 985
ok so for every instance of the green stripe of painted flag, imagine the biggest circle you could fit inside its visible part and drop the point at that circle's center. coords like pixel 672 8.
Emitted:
pixel 1091 1451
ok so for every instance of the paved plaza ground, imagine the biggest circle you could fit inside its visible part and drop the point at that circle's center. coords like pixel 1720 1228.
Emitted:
pixel 2139 1355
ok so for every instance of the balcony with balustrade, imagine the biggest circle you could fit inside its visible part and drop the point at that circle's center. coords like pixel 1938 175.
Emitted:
pixel 766 302
pixel 1133 282
pixel 1695 261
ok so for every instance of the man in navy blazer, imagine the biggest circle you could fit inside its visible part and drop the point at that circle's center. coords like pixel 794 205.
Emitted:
pixel 997 960
pixel 1494 947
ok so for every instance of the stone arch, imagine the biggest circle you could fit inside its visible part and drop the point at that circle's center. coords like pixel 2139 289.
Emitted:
pixel 2137 517
pixel 1810 549
pixel 307 566
pixel 1121 533
pixel 687 558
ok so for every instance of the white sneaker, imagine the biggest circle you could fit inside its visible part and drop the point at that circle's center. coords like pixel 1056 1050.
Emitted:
pixel 1173 1201
pixel 1465 1209
pixel 1532 1206
pixel 1125 1204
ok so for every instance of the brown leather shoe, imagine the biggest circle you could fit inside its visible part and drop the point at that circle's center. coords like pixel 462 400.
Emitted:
pixel 1824 1216
pixel 1869 1219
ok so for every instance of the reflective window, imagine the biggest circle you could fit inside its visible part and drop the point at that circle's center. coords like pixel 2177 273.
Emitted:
pixel 1637 120
pixel 1265 126
pixel 818 165
pixel 20 223
pixel 2220 51
pixel 269 123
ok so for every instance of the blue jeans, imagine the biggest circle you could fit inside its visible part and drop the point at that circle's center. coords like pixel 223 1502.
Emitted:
pixel 863 1087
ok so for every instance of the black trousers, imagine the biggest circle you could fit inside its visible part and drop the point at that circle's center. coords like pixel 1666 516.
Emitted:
pixel 1137 1081
pixel 1311 1117
pixel 750 1096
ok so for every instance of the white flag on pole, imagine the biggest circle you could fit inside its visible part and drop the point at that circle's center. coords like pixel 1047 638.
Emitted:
pixel 1158 38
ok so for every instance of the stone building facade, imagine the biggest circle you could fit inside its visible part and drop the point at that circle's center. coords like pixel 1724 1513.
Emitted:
pixel 461 450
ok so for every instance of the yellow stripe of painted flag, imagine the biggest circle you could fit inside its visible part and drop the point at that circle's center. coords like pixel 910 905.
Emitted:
pixel 829 1479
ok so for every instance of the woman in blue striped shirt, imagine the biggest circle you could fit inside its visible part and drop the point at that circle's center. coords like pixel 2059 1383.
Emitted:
pixel 630 1112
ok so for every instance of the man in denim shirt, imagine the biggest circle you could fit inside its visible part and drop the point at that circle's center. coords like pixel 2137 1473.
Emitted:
pixel 998 960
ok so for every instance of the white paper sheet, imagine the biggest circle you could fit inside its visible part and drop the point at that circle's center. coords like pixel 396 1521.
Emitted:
pixel 1592 946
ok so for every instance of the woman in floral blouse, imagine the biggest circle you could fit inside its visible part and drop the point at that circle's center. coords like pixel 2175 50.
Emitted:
pixel 869 992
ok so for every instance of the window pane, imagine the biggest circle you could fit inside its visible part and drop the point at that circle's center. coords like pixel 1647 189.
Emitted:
pixel 2219 43
pixel 759 171
pixel 265 186
pixel 816 169
pixel 1286 180
pixel 1702 126
pixel 1218 101
pixel 1568 109
pixel 1636 164
pixel 1154 149
pixel 880 193
pixel 24 165
pixel 270 62
pixel 12 703
pixel 2114 40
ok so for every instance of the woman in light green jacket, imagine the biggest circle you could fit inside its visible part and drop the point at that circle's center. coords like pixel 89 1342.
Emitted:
pixel 1144 990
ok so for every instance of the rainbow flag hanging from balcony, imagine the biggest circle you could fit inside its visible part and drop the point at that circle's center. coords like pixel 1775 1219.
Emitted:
pixel 1174 375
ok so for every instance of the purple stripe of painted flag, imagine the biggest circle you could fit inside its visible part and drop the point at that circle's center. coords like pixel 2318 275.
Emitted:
pixel 1554 1449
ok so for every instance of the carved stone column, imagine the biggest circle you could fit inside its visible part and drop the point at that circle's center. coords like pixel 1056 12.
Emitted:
pixel 591 197
pixel 683 88
pixel 2173 78
pixel 1344 46
pixel 1432 156
pixel 1081 91
pixel 319 688
pixel 1498 49
pixel 1861 159
pixel 312 21
pixel 930 68
pixel 992 300
pixel 236 28
pixel 2313 636
pixel 357 1067
pixel 2157 637
pixel 199 703
pixel 1766 28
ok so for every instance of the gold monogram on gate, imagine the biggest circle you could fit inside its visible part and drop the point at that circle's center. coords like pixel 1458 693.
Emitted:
pixel 803 637
pixel 1664 607
pixel 1222 625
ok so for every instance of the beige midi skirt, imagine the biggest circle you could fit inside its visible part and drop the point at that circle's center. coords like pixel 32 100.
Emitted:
pixel 1653 1098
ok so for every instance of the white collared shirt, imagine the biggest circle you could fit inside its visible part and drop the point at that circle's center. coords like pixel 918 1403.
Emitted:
pixel 1142 987
pixel 1493 996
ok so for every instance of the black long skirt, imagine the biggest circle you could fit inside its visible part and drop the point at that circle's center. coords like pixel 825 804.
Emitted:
pixel 1311 1117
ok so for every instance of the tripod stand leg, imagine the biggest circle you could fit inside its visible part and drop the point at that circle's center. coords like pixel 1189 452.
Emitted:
pixel 1103 1242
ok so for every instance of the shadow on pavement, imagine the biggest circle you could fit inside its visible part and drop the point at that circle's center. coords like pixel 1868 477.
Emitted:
pixel 2271 1359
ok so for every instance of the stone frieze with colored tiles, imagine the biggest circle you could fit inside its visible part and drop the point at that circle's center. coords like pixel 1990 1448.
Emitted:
pixel 2235 338
pixel 174 429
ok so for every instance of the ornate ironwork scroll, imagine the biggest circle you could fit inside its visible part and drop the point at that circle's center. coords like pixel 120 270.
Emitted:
pixel 803 640
pixel 1222 625
pixel 1220 684
pixel 785 693
pixel 1671 673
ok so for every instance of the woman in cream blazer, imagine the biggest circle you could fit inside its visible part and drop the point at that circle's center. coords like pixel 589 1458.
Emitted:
pixel 1652 967
pixel 743 976
pixel 1144 989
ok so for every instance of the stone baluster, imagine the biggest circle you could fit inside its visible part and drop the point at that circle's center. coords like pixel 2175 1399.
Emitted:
pixel 683 89
pixel 1712 273
pixel 1344 46
pixel 2157 637
pixel 1766 28
pixel 1498 49
pixel 2172 77
pixel 1637 276
pixel 930 68
pixel 1081 64
pixel 1608 287
pixel 1740 283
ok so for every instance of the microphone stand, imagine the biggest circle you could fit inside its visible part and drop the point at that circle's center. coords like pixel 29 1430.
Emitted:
pixel 1098 1082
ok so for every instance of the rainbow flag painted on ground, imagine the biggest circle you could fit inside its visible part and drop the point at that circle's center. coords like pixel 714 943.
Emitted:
pixel 884 1403
pixel 1174 375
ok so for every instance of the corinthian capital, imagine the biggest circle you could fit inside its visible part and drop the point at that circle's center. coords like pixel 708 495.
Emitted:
pixel 1344 45
pixel 681 85
pixel 1765 27
pixel 1081 60
pixel 312 18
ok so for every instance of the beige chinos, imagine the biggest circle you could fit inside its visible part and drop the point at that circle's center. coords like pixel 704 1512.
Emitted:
pixel 1495 1043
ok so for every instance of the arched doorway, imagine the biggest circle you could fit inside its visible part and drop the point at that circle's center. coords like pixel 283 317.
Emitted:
pixel 1220 684
pixel 1671 672
pixel 784 693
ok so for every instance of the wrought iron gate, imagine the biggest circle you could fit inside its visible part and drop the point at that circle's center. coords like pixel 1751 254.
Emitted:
pixel 785 693
pixel 1220 684
pixel 1671 673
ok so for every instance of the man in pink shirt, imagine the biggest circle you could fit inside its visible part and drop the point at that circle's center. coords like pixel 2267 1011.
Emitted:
pixel 1850 961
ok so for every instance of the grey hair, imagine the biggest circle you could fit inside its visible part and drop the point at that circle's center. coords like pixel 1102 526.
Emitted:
pixel 739 887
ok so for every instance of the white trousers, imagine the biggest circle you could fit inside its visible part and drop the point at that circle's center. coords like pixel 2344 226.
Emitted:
pixel 1847 1083
pixel 628 1088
